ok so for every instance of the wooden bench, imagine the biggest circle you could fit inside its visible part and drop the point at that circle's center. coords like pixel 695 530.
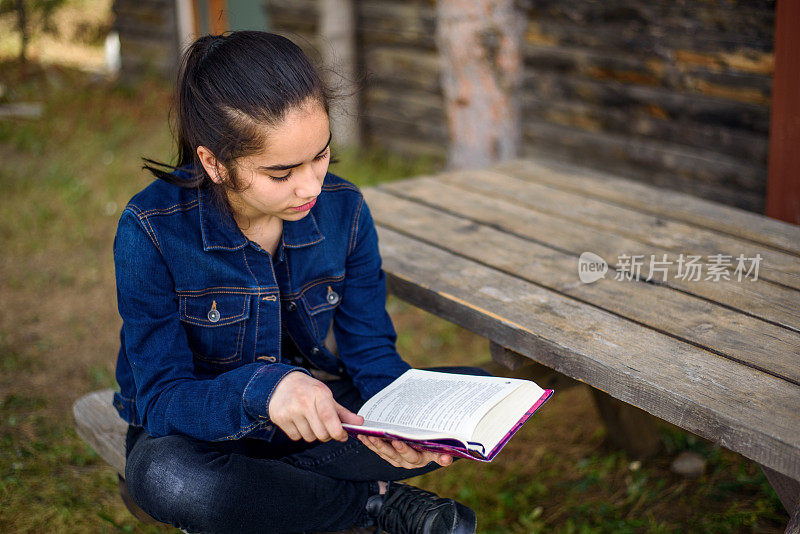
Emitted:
pixel 496 251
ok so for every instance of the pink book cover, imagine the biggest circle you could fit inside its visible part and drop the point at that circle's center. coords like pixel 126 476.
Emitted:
pixel 454 447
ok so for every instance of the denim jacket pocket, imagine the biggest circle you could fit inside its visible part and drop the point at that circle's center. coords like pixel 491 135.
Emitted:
pixel 324 295
pixel 320 301
pixel 215 325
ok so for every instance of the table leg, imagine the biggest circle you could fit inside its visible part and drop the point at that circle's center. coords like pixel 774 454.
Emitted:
pixel 794 523
pixel 788 491
pixel 627 427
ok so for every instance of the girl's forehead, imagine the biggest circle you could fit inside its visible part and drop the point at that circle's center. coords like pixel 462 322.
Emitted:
pixel 299 137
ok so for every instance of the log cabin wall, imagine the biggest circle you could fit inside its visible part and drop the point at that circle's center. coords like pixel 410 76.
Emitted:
pixel 674 93
pixel 148 37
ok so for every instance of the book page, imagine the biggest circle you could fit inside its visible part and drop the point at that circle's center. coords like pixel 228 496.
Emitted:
pixel 441 402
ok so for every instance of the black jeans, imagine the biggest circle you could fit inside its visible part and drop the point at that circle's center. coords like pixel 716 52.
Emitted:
pixel 250 485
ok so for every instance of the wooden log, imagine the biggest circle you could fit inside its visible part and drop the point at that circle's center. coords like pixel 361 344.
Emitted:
pixel 626 154
pixel 656 26
pixel 405 67
pixel 636 67
pixel 646 122
pixel 397 24
pixel 552 83
pixel 479 42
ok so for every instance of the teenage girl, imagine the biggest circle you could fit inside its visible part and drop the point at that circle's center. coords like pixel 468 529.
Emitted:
pixel 254 323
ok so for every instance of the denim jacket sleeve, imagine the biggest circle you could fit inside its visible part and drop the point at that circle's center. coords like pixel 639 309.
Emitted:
pixel 365 336
pixel 170 399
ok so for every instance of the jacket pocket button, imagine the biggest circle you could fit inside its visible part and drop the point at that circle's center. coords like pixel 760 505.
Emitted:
pixel 332 297
pixel 291 306
pixel 213 314
pixel 314 351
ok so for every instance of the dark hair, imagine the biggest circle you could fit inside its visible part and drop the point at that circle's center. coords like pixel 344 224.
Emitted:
pixel 228 86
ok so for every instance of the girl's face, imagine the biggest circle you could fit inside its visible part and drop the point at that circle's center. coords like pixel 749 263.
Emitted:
pixel 284 179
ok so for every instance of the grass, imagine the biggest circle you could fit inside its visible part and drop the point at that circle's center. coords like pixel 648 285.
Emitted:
pixel 64 180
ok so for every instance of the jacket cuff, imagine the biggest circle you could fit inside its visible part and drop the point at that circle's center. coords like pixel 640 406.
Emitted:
pixel 258 391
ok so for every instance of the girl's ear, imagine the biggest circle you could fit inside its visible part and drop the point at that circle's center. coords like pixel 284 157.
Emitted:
pixel 211 165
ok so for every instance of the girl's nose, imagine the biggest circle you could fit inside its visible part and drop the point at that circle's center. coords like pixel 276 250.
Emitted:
pixel 309 185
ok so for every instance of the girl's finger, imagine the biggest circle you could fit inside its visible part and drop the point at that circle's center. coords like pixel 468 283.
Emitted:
pixel 370 445
pixel 291 431
pixel 387 451
pixel 305 430
pixel 407 453
pixel 328 414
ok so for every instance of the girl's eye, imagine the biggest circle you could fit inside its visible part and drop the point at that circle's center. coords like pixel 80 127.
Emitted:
pixel 282 178
pixel 289 174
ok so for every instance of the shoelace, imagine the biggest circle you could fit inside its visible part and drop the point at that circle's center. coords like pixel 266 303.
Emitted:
pixel 403 512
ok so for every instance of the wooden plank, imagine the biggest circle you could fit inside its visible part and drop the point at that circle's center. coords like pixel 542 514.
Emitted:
pixel 760 299
pixel 660 202
pixel 99 424
pixel 689 387
pixel 680 237
pixel 748 340
pixel 643 162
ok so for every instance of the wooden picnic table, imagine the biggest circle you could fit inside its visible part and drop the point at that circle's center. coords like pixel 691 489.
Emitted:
pixel 497 252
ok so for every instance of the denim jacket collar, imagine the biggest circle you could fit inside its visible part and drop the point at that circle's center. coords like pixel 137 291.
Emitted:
pixel 220 232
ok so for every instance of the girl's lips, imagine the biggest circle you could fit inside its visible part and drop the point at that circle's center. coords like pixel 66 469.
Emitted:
pixel 305 207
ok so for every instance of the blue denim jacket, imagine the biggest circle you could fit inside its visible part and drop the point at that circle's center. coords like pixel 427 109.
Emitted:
pixel 203 309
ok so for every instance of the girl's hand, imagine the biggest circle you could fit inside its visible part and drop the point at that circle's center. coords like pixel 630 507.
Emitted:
pixel 400 454
pixel 304 407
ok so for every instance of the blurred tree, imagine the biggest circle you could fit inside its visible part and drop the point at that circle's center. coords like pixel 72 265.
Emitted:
pixel 479 44
pixel 32 16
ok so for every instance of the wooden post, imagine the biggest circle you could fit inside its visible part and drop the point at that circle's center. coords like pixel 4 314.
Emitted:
pixel 479 44
pixel 627 427
pixel 338 44
pixel 788 491
pixel 783 179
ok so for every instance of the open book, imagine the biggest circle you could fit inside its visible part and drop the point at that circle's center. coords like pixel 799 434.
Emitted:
pixel 462 415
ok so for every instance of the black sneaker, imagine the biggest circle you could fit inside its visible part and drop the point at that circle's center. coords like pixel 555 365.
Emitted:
pixel 404 509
